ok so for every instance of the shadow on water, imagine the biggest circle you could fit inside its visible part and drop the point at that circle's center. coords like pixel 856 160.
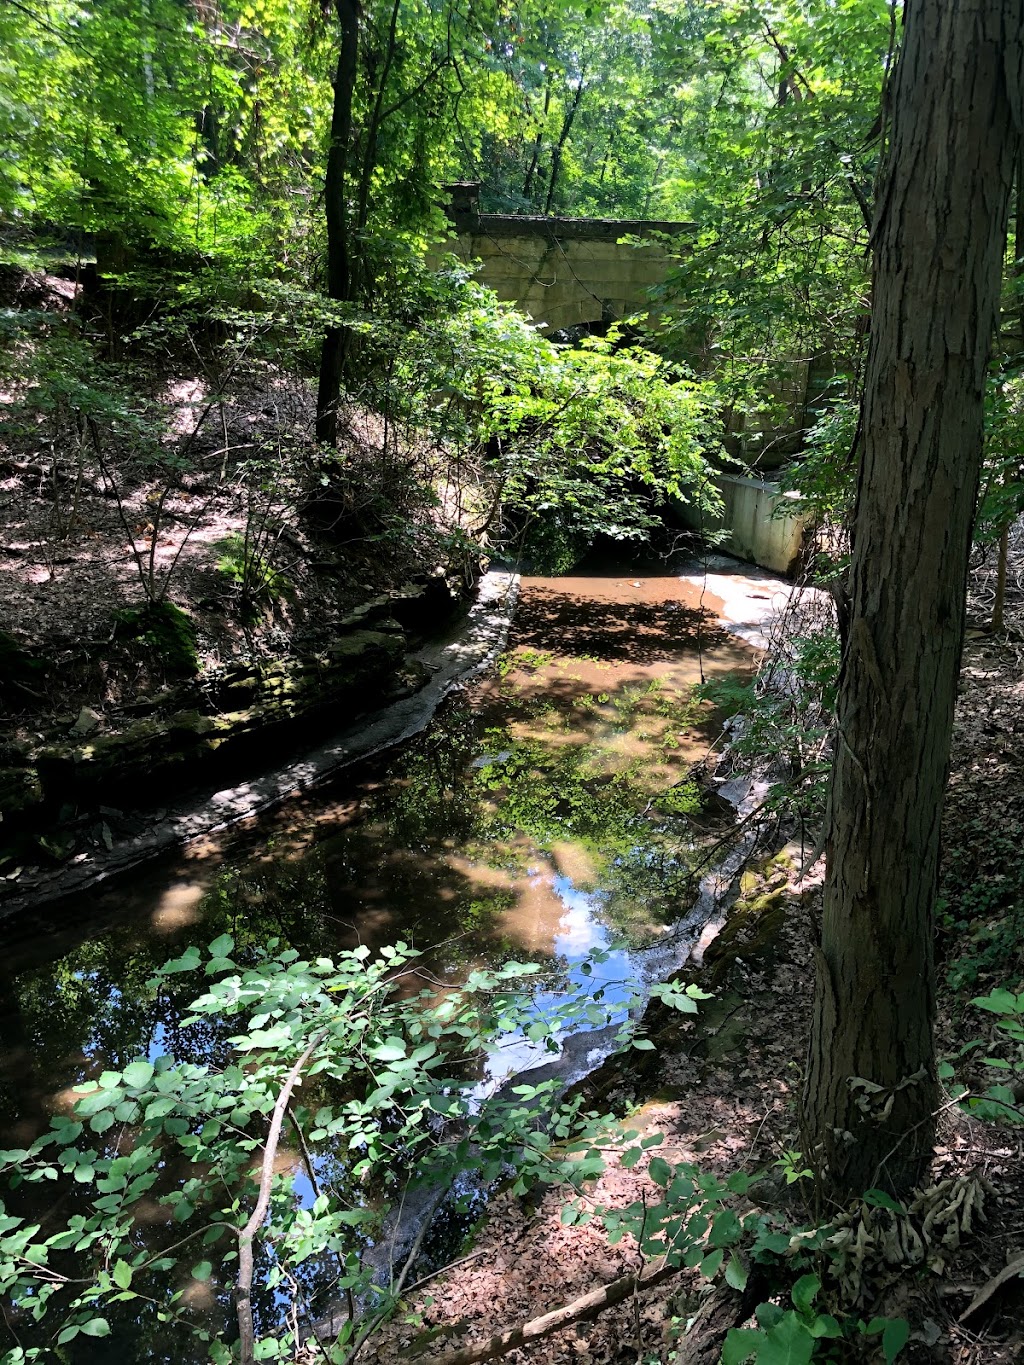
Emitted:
pixel 630 621
pixel 547 813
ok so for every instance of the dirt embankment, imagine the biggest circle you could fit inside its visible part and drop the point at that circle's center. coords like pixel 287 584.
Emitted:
pixel 189 591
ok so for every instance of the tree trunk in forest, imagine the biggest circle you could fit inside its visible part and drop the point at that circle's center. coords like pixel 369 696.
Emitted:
pixel 559 147
pixel 339 247
pixel 538 141
pixel 939 235
pixel 372 135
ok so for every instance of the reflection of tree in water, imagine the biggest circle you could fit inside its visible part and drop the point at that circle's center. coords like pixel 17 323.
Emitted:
pixel 96 1007
pixel 440 854
pixel 430 795
pixel 401 871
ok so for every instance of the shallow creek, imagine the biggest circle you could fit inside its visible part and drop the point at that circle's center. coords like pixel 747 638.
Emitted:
pixel 546 812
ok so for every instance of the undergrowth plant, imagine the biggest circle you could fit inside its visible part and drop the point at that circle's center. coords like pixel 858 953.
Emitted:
pixel 323 1094
pixel 372 1069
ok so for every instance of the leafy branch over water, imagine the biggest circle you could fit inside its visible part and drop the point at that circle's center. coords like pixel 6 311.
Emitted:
pixel 376 1068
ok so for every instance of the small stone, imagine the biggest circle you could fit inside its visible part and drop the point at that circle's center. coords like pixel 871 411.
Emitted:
pixel 88 722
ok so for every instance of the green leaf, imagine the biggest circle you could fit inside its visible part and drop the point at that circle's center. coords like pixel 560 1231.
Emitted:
pixel 804 1292
pixel 999 1002
pixel 788 1343
pixel 768 1315
pixel 736 1273
pixel 878 1199
pixel 824 1325
pixel 188 962
pixel 710 1265
pixel 221 947
pixel 740 1344
pixel 390 1051
pixel 202 1270
pixel 122 1274
pixel 659 1170
pixel 96 1327
pixel 894 1338
pixel 726 1229
pixel 643 1045
pixel 137 1074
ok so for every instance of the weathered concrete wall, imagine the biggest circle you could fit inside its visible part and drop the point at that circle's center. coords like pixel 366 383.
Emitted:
pixel 563 281
pixel 562 271
pixel 758 527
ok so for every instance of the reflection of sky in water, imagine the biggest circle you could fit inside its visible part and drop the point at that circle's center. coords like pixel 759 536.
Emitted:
pixel 581 934
pixel 610 982
pixel 157 1044
pixel 303 1187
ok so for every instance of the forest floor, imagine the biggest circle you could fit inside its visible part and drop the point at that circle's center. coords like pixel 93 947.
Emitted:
pixel 725 1098
pixel 173 547
pixel 192 483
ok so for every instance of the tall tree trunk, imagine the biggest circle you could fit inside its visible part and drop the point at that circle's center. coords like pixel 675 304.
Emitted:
pixel 563 138
pixel 538 141
pixel 339 246
pixel 939 236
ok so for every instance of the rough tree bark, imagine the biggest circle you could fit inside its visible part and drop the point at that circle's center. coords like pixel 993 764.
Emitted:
pixel 339 247
pixel 939 236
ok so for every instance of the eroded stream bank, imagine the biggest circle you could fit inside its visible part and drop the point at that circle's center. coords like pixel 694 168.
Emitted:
pixel 548 810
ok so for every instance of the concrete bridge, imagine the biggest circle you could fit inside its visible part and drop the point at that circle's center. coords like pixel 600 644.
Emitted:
pixel 563 272
pixel 566 272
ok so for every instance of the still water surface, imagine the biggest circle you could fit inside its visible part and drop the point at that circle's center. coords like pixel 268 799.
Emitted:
pixel 546 813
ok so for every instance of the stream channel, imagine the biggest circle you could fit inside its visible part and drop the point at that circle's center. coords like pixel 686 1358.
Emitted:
pixel 546 812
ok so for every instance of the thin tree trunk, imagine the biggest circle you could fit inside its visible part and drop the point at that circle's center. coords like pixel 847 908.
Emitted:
pixel 563 138
pixel 939 236
pixel 339 247
pixel 999 605
pixel 538 141
pixel 373 129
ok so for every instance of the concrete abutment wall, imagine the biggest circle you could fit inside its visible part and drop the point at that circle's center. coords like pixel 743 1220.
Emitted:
pixel 564 272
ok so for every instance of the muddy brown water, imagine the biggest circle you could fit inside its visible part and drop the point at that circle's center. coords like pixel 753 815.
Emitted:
pixel 547 812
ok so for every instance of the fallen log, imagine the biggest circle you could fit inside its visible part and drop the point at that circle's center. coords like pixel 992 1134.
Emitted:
pixel 721 1310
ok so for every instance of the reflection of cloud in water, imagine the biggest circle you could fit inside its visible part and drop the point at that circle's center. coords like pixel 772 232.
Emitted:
pixel 579 935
